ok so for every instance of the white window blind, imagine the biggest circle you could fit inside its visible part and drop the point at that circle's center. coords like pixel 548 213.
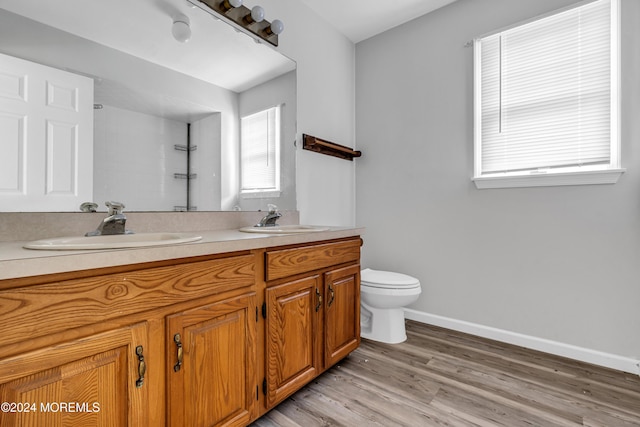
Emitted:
pixel 546 96
pixel 260 151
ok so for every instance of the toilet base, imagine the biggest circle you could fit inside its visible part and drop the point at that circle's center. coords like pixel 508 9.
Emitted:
pixel 382 324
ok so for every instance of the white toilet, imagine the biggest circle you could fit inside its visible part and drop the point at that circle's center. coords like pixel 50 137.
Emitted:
pixel 383 295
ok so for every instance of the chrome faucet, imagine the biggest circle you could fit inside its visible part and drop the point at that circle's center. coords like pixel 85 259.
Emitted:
pixel 114 223
pixel 269 220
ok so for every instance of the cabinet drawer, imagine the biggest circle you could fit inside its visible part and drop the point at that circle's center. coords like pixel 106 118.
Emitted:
pixel 53 307
pixel 288 262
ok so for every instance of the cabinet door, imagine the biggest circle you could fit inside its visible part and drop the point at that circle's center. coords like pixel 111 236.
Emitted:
pixel 211 364
pixel 292 357
pixel 93 381
pixel 342 313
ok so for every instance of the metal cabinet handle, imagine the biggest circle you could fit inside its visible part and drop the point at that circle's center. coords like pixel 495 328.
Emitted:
pixel 142 367
pixel 178 340
pixel 332 296
pixel 319 304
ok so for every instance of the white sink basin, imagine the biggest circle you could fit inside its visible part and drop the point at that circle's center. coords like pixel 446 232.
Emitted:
pixel 284 229
pixel 117 241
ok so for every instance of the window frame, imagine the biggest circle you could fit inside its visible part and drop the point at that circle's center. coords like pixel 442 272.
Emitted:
pixel 602 174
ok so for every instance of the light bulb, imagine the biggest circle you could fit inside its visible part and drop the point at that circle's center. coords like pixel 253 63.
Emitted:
pixel 257 13
pixel 181 30
pixel 277 26
pixel 230 4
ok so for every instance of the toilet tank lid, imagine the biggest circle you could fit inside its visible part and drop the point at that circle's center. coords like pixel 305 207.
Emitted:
pixel 379 277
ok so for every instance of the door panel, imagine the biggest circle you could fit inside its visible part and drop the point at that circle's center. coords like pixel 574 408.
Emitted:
pixel 292 357
pixel 46 115
pixel 342 315
pixel 89 382
pixel 213 382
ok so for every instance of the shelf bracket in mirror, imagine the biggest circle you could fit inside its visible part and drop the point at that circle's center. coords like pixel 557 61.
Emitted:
pixel 242 17
pixel 179 147
pixel 183 208
pixel 329 148
pixel 185 175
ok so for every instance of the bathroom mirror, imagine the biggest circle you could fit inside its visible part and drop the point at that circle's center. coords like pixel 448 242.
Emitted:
pixel 167 114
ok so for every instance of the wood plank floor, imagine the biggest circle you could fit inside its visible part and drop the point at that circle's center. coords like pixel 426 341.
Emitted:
pixel 440 377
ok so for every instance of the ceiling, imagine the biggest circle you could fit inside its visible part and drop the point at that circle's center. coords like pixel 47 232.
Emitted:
pixel 145 31
pixel 361 19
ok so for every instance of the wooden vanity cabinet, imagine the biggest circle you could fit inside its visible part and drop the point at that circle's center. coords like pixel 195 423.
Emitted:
pixel 312 311
pixel 103 339
pixel 207 341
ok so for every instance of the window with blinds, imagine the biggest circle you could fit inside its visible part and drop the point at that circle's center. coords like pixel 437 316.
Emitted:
pixel 260 151
pixel 546 96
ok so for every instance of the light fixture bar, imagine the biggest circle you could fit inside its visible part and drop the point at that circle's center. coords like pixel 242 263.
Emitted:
pixel 241 16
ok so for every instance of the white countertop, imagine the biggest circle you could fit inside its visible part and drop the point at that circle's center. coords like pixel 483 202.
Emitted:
pixel 17 262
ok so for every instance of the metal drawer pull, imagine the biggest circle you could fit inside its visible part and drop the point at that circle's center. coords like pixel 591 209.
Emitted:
pixel 332 296
pixel 142 367
pixel 177 340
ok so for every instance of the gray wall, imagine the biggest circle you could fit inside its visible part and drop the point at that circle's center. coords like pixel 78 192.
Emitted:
pixel 558 263
pixel 325 186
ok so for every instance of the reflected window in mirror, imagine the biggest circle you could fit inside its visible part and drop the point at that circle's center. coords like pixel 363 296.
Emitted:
pixel 260 153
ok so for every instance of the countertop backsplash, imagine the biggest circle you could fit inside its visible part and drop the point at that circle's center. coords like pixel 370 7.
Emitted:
pixel 24 226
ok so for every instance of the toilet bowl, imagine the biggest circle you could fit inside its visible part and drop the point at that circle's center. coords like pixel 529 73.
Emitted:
pixel 383 295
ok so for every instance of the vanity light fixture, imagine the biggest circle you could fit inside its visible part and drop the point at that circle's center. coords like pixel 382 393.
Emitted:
pixel 251 20
pixel 181 28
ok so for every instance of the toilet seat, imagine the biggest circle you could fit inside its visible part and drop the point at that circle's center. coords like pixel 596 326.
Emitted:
pixel 389 291
pixel 387 279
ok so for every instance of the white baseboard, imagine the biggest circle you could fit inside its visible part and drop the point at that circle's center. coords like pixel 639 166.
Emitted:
pixel 620 363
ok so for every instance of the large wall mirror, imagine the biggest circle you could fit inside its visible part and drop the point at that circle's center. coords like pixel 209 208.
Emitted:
pixel 166 116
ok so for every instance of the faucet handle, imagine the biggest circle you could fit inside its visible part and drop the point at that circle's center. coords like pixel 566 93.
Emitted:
pixel 115 208
pixel 272 208
pixel 89 207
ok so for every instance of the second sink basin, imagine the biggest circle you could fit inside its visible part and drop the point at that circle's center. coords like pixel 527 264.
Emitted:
pixel 284 229
pixel 117 241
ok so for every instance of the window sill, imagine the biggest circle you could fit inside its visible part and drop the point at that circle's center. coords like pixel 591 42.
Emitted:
pixel 260 194
pixel 609 176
